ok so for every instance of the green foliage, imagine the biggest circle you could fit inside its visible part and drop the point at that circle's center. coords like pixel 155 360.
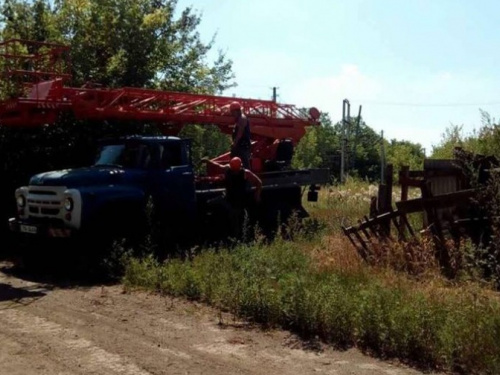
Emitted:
pixel 308 154
pixel 484 141
pixel 318 147
pixel 451 138
pixel 364 159
pixel 207 141
pixel 342 204
pixel 479 256
pixel 278 285
pixel 404 153
pixel 488 136
pixel 119 43
pixel 321 148
pixel 482 254
pixel 139 43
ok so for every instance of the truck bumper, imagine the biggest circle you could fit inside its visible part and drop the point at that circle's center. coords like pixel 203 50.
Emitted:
pixel 37 229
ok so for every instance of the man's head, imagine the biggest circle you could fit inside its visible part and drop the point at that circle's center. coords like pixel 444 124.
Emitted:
pixel 235 109
pixel 235 164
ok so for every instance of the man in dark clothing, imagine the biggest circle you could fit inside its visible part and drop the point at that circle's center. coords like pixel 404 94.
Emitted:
pixel 235 179
pixel 241 146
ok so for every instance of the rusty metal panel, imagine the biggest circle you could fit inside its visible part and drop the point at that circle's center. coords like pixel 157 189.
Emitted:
pixel 443 184
pixel 439 164
pixel 443 176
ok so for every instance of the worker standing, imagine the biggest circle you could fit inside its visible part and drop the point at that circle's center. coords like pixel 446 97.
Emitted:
pixel 241 146
pixel 235 181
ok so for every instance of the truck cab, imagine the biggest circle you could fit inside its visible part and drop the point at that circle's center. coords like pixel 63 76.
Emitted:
pixel 112 194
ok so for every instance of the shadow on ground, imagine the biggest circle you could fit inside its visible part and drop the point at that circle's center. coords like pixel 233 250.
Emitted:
pixel 48 279
pixel 22 295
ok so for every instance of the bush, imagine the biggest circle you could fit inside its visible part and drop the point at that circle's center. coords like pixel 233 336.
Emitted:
pixel 278 285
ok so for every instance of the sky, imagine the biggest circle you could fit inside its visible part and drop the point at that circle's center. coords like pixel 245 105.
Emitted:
pixel 416 67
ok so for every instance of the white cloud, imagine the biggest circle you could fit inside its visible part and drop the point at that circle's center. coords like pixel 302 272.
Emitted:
pixel 445 76
pixel 404 109
pixel 327 93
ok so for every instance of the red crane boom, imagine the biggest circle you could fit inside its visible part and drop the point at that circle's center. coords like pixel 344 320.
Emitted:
pixel 35 77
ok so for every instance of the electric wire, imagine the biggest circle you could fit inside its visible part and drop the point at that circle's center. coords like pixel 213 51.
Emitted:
pixel 408 104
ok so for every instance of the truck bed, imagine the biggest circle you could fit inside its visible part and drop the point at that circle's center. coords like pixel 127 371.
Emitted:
pixel 272 180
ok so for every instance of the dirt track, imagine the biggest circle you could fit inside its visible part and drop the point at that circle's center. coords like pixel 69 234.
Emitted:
pixel 57 329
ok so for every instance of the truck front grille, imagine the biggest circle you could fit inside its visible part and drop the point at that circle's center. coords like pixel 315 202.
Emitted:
pixel 42 192
pixel 50 211
pixel 46 201
pixel 38 201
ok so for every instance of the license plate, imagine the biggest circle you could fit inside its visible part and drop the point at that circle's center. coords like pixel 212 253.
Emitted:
pixel 28 229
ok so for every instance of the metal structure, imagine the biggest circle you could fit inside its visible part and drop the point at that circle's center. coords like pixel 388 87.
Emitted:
pixel 36 78
pixel 449 205
pixel 349 140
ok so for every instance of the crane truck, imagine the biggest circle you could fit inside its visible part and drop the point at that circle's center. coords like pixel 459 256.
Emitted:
pixel 135 171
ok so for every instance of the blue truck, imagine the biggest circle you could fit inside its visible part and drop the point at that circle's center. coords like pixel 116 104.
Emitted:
pixel 138 178
pixel 134 176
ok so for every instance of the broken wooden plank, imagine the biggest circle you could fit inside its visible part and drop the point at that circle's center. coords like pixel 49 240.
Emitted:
pixel 438 201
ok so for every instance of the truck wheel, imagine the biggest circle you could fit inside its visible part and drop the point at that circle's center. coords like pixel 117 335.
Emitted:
pixel 93 245
pixel 32 257
pixel 41 256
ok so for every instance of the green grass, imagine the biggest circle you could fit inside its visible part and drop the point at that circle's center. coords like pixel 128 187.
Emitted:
pixel 280 285
pixel 346 204
pixel 317 286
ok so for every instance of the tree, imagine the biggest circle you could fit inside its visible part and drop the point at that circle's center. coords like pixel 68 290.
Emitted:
pixel 207 141
pixel 487 139
pixel 484 141
pixel 321 148
pixel 307 153
pixel 404 153
pixel 362 150
pixel 316 148
pixel 452 137
pixel 115 43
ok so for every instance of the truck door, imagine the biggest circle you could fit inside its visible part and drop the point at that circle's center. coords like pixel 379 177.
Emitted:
pixel 172 182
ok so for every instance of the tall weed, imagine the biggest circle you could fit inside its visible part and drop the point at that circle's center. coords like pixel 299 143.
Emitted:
pixel 280 285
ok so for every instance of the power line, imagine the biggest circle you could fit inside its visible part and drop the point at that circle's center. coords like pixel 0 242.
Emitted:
pixel 407 104
pixel 251 85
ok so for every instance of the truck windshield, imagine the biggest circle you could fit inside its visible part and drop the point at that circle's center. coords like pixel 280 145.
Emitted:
pixel 128 156
pixel 110 155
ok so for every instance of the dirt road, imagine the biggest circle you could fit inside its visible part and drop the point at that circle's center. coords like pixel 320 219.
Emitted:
pixel 60 329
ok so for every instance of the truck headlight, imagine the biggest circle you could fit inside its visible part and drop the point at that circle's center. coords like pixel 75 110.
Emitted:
pixel 21 201
pixel 69 204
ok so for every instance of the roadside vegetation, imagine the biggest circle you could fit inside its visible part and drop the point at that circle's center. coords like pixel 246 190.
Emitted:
pixel 312 281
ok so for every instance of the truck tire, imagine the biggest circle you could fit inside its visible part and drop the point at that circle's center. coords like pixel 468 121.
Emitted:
pixel 278 206
pixel 94 244
pixel 42 256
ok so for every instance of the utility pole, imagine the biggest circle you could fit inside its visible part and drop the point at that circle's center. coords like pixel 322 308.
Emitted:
pixel 346 120
pixel 274 99
pixel 382 158
pixel 356 138
pixel 275 96
pixel 342 144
